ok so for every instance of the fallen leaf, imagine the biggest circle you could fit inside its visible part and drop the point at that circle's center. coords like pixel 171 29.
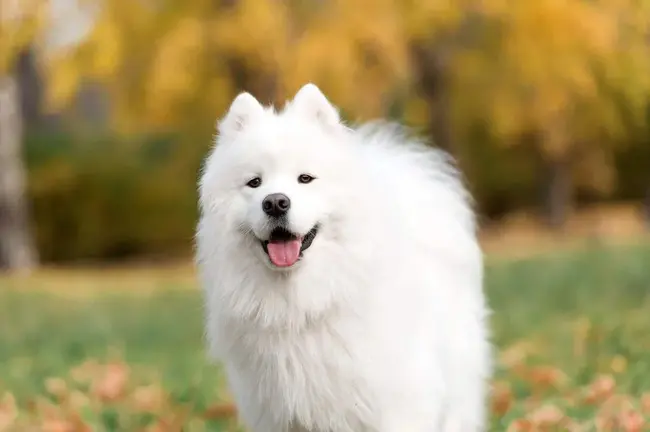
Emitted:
pixel 632 421
pixel 600 389
pixel 501 398
pixel 111 384
pixel 546 416
pixel 8 411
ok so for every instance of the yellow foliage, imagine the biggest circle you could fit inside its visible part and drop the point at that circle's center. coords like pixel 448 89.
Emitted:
pixel 256 30
pixel 427 19
pixel 560 65
pixel 106 64
pixel 356 51
pixel 559 68
pixel 172 73
pixel 64 77
pixel 416 111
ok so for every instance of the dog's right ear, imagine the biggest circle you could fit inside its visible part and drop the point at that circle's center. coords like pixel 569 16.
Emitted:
pixel 312 103
pixel 244 110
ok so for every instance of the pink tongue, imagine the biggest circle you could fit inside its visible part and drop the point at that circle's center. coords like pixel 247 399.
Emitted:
pixel 284 254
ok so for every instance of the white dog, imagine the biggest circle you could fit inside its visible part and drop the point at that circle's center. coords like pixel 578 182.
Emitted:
pixel 342 275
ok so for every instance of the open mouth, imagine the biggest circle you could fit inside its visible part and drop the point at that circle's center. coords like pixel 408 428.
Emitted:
pixel 285 248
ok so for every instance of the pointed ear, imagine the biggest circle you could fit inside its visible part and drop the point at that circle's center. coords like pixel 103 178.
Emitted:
pixel 244 110
pixel 312 103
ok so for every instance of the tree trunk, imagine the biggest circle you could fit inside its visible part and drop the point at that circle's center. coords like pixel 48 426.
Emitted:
pixel 16 246
pixel 433 65
pixel 430 64
pixel 558 192
pixel 30 87
pixel 646 208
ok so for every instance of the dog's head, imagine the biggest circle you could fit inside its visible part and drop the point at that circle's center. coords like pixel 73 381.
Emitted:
pixel 275 180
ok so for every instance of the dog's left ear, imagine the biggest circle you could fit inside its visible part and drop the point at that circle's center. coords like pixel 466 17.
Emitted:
pixel 311 102
pixel 243 111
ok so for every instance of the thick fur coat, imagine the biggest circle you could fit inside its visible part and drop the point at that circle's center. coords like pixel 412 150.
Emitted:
pixel 358 305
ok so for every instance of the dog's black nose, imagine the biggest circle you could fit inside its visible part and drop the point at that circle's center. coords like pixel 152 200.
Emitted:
pixel 276 205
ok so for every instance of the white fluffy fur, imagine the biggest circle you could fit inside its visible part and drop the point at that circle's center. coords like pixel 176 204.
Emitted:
pixel 382 325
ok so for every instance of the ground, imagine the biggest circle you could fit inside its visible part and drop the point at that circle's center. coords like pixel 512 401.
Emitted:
pixel 109 350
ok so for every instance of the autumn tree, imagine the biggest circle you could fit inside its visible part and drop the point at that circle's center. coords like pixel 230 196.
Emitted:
pixel 18 24
pixel 171 69
pixel 436 32
pixel 567 79
pixel 173 65
pixel 355 50
pixel 176 64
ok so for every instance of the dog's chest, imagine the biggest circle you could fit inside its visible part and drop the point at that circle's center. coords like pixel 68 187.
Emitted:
pixel 314 379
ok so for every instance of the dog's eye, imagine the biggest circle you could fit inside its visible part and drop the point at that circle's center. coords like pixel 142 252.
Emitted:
pixel 305 178
pixel 254 183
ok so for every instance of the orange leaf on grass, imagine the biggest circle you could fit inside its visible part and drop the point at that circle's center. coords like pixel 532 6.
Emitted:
pixel 501 398
pixel 632 421
pixel 520 425
pixel 8 411
pixel 645 403
pixel 543 377
pixel 546 416
pixel 72 424
pixel 605 424
pixel 111 384
pixel 600 389
pixel 221 411
pixel 57 425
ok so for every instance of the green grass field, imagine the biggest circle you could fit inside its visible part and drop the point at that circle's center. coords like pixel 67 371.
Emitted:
pixel 104 352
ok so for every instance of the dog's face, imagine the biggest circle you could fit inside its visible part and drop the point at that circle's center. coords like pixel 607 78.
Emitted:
pixel 274 180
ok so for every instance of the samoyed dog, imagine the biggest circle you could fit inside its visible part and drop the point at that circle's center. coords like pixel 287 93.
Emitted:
pixel 342 275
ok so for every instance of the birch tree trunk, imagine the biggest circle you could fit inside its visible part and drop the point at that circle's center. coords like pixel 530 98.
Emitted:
pixel 16 245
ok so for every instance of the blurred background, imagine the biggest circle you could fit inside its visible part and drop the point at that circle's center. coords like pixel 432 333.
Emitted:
pixel 107 108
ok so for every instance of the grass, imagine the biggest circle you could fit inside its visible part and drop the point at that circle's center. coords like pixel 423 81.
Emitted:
pixel 106 351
